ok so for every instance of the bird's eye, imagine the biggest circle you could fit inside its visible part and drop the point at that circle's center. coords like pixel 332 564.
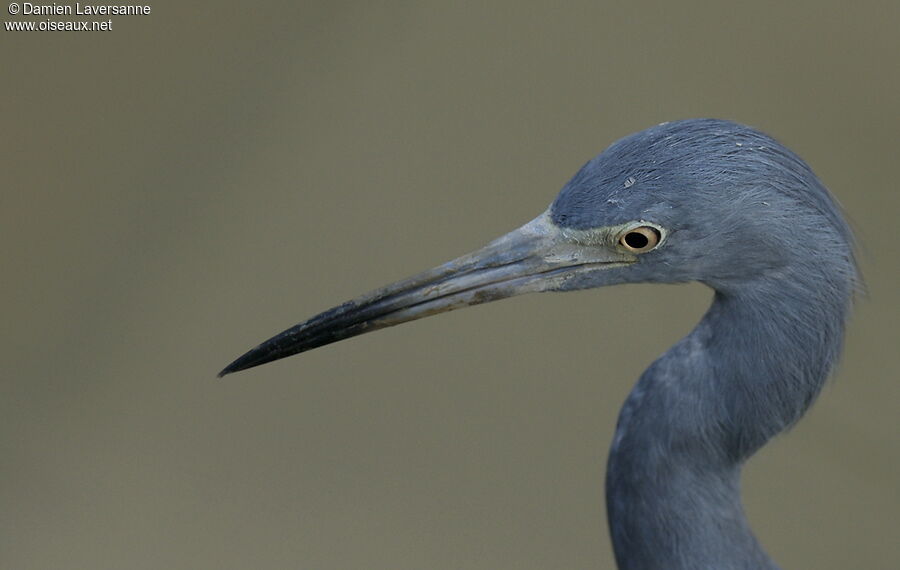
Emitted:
pixel 640 239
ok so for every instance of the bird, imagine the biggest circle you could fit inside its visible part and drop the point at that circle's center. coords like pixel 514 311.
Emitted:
pixel 705 200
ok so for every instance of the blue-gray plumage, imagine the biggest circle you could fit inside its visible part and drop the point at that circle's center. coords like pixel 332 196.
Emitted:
pixel 697 200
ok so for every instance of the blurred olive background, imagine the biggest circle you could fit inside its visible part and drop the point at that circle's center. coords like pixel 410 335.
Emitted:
pixel 182 187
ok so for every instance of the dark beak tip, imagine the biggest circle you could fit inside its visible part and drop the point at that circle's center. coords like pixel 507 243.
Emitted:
pixel 248 360
pixel 264 353
pixel 228 370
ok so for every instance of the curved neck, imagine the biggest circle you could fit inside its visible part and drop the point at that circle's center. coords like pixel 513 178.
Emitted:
pixel 750 369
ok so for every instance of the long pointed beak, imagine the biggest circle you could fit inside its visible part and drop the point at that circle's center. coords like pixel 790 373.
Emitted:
pixel 539 256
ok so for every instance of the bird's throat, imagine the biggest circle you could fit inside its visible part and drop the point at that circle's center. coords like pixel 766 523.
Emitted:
pixel 744 374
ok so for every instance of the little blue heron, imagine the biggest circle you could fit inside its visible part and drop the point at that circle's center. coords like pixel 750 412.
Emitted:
pixel 695 200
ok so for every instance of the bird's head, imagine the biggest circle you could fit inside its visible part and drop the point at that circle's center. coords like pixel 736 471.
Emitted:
pixel 695 200
pixel 718 202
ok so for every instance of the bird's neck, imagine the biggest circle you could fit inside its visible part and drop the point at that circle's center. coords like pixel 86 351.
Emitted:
pixel 749 370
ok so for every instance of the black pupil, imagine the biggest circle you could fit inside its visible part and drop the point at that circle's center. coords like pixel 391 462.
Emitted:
pixel 636 240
